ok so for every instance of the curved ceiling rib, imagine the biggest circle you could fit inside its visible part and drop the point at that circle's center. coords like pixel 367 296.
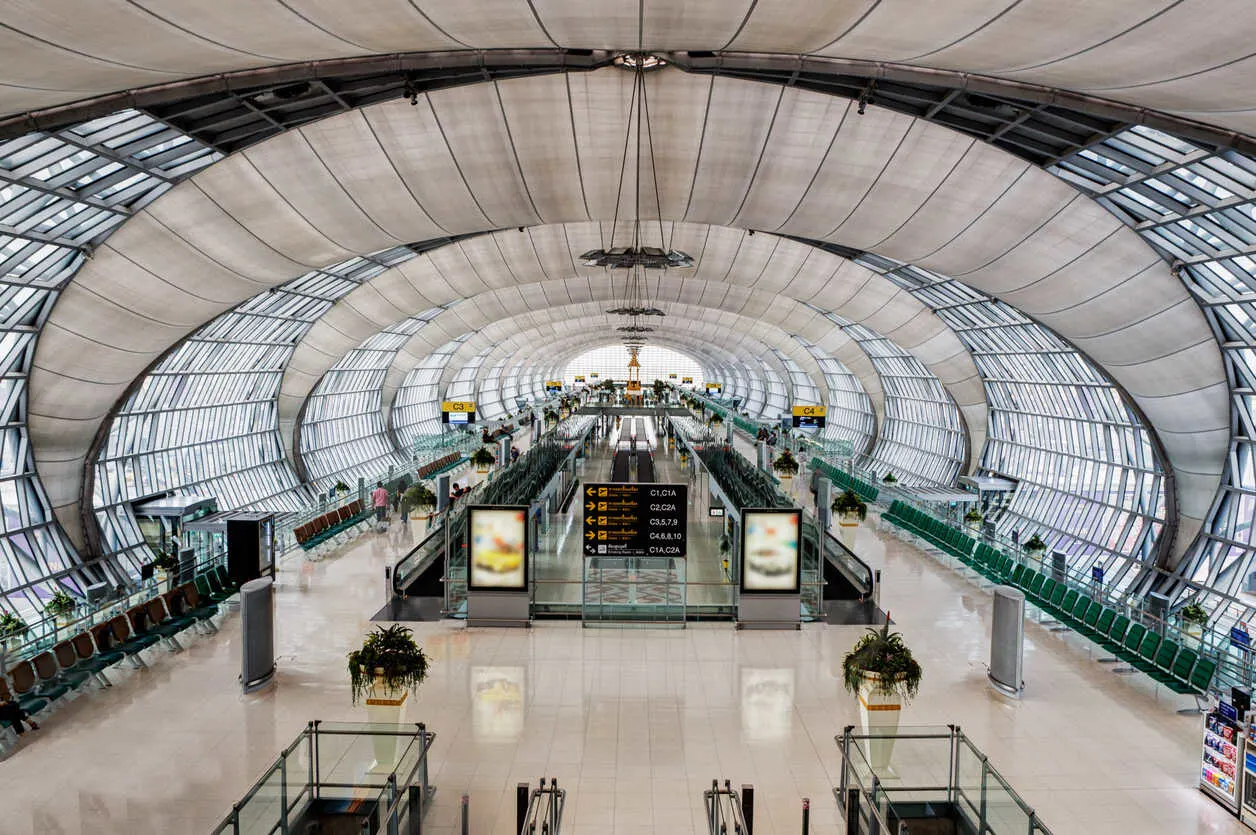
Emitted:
pixel 1101 51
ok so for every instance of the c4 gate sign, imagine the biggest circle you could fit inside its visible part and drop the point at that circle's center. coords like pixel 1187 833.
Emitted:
pixel 635 520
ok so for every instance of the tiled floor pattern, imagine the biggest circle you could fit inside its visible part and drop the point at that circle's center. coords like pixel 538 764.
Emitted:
pixel 635 723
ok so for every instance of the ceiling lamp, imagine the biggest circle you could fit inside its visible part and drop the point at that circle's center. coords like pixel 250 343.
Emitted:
pixel 639 61
pixel 634 329
pixel 627 257
pixel 636 310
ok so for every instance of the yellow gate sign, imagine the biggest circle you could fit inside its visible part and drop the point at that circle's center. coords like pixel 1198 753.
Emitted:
pixel 811 411
pixel 457 406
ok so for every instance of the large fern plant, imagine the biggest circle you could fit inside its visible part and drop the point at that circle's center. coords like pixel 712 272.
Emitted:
pixel 882 652
pixel 393 652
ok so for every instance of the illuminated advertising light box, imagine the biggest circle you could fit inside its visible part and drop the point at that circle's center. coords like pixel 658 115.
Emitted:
pixel 810 416
pixel 769 551
pixel 499 551
pixel 457 411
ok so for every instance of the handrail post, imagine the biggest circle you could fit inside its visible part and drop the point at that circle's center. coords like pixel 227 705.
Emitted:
pixel 283 794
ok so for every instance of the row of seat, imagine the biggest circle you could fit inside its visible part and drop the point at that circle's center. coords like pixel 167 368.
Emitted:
pixel 845 481
pixel 951 540
pixel 1181 669
pixel 323 527
pixel 438 466
pixel 44 679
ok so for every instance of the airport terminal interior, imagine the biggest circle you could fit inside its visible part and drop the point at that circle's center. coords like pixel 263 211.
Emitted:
pixel 591 416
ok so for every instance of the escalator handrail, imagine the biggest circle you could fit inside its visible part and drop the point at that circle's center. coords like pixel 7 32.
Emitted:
pixel 847 556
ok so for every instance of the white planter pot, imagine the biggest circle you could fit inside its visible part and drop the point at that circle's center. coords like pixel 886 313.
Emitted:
pixel 975 527
pixel 386 707
pixel 787 481
pixel 1193 635
pixel 878 715
pixel 847 527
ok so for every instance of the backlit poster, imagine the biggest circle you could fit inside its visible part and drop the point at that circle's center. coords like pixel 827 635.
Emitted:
pixel 498 552
pixel 770 555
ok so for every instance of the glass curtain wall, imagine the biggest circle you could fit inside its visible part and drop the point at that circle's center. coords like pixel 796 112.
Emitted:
pixel 342 430
pixel 850 416
pixel 1089 482
pixel 610 362
pixel 1197 206
pixel 205 420
pixel 61 194
pixel 416 407
pixel 922 439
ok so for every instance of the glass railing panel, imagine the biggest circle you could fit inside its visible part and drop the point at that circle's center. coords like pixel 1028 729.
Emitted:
pixel 263 809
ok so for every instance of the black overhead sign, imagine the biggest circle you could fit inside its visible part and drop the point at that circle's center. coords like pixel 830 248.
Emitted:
pixel 635 520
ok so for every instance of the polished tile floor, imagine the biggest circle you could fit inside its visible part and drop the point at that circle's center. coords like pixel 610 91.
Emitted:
pixel 635 723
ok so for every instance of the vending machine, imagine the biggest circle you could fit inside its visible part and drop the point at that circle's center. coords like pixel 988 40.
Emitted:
pixel 1247 812
pixel 1223 751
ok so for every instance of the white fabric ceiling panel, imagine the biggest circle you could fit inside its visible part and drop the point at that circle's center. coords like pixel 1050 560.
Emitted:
pixel 905 189
pixel 773 25
pixel 539 117
pixel 414 149
pixel 977 179
pixel 1023 214
pixel 297 172
pixel 488 24
pixel 899 30
pixel 358 164
pixel 851 169
pixel 255 206
pixel 485 154
pixel 1145 340
pixel 376 25
pixel 805 133
pixel 208 244
pixel 729 157
pixel 812 277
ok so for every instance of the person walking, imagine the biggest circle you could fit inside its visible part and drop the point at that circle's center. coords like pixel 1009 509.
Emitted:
pixel 379 499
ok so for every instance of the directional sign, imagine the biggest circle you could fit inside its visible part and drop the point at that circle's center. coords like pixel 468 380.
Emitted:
pixel 635 520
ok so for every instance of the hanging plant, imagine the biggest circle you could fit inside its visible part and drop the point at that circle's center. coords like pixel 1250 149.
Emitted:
pixel 1193 612
pixel 419 496
pixel 849 502
pixel 483 457
pixel 1035 543
pixel 341 487
pixel 889 478
pixel 786 463
pixel 59 605
pixel 390 657
pixel 11 626
pixel 883 653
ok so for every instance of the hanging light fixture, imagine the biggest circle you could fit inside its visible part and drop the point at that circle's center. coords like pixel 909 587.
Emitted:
pixel 635 255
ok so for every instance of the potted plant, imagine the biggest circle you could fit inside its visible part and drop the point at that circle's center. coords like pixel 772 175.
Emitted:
pixel 388 667
pixel 716 421
pixel 786 466
pixel 973 519
pixel 850 511
pixel 889 478
pixel 166 565
pixel 342 489
pixel 60 607
pixel 881 672
pixel 1194 619
pixel 420 500
pixel 1035 547
pixel 12 628
pixel 551 416
pixel 482 458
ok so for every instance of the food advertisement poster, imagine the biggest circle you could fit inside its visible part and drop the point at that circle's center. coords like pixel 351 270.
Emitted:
pixel 498 552
pixel 770 556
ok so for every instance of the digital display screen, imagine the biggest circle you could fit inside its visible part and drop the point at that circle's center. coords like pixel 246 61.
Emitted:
pixel 769 551
pixel 458 417
pixel 498 552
